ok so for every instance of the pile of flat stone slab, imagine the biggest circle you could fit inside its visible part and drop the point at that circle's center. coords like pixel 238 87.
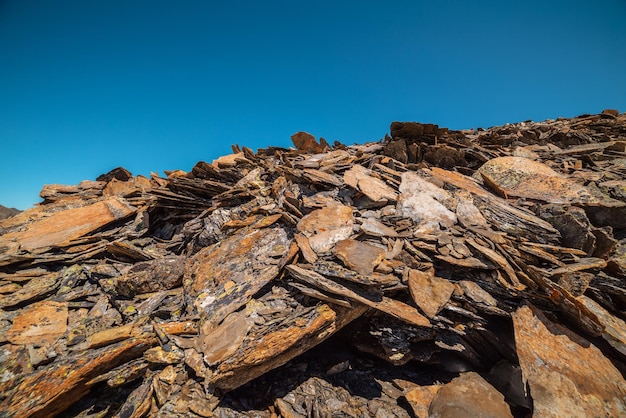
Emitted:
pixel 433 273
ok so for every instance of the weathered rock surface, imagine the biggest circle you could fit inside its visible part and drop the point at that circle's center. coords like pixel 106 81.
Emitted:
pixel 566 374
pixel 61 228
pixel 327 226
pixel 469 395
pixel 464 264
pixel 40 324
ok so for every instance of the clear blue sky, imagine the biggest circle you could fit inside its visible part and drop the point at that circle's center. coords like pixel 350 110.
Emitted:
pixel 86 86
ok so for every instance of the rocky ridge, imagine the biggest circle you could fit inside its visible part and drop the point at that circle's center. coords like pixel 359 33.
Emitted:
pixel 434 273
pixel 7 212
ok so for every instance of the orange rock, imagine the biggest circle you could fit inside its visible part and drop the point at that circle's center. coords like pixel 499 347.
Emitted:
pixel 376 189
pixel 218 344
pixel 118 188
pixel 612 112
pixel 420 398
pixel 567 375
pixel 523 177
pixel 62 227
pixel 430 293
pixel 359 256
pixel 229 160
pixel 307 252
pixel 469 395
pixel 50 390
pixel 306 142
pixel 40 324
pixel 327 226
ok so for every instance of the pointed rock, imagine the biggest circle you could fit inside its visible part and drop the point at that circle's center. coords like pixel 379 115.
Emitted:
pixel 430 293
pixel 306 142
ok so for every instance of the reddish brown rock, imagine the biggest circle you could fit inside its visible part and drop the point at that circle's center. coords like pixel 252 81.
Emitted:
pixel 522 177
pixel 617 260
pixel 362 180
pixel 420 399
pixel 398 150
pixel 306 142
pixel 62 227
pixel 327 226
pixel 469 395
pixel 217 345
pixel 223 277
pixel 430 293
pixel 119 173
pixel 612 112
pixel 150 276
pixel 121 188
pixel 477 293
pixel 53 389
pixel 407 130
pixel 359 256
pixel 566 374
pixel 40 324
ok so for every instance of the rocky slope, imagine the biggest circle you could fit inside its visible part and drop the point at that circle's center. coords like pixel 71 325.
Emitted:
pixel 7 212
pixel 434 273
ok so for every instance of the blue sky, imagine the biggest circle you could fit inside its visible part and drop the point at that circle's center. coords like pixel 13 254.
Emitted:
pixel 86 86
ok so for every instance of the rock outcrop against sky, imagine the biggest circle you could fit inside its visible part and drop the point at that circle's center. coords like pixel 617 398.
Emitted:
pixel 433 273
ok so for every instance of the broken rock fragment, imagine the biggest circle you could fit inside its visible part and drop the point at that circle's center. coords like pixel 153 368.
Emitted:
pixel 306 142
pixel 566 374
pixel 62 227
pixel 469 395
pixel 359 256
pixel 523 177
pixel 430 293
pixel 376 228
pixel 151 276
pixel 327 226
pixel 425 203
pixel 223 277
pixel 40 324
pixel 362 180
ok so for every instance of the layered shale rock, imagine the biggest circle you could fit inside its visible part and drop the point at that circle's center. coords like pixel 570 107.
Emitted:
pixel 433 273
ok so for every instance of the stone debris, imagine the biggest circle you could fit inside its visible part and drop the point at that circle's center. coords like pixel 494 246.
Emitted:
pixel 468 395
pixel 433 273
